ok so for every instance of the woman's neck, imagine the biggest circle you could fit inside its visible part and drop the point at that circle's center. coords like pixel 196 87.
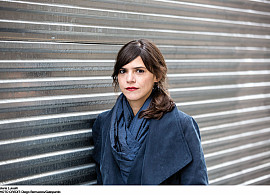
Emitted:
pixel 135 106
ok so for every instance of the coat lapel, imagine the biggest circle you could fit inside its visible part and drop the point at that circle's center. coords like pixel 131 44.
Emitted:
pixel 108 167
pixel 166 150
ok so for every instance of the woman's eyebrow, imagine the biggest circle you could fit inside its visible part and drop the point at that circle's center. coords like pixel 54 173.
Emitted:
pixel 134 68
pixel 138 67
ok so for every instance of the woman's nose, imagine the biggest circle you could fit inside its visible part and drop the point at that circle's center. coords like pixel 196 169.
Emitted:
pixel 130 77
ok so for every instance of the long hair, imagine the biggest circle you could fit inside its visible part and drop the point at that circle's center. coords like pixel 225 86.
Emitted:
pixel 154 62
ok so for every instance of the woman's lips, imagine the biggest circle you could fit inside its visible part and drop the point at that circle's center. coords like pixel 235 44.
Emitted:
pixel 131 88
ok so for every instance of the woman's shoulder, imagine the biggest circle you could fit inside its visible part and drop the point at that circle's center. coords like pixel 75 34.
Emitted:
pixel 104 115
pixel 181 115
pixel 186 121
pixel 102 118
pixel 99 123
pixel 175 115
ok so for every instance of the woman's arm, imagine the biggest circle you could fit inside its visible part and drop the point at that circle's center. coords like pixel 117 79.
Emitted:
pixel 96 152
pixel 195 173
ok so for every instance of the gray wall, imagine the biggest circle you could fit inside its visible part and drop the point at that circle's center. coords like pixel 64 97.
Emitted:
pixel 55 65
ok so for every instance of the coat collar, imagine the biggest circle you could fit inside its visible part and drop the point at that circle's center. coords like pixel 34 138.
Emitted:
pixel 167 151
pixel 164 153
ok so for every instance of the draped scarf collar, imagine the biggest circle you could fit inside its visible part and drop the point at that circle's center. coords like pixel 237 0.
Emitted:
pixel 127 134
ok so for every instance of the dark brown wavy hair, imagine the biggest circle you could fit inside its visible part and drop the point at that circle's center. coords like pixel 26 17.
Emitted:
pixel 154 62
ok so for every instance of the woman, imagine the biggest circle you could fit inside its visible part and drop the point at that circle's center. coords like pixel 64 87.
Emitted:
pixel 144 138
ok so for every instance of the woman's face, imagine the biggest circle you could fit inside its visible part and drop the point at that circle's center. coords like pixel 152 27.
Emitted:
pixel 136 82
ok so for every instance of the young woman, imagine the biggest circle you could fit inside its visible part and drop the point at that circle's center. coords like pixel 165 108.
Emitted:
pixel 144 138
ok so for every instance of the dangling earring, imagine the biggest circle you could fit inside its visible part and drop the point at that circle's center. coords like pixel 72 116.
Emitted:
pixel 156 86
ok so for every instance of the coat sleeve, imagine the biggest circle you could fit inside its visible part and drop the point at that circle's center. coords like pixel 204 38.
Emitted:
pixel 195 173
pixel 96 131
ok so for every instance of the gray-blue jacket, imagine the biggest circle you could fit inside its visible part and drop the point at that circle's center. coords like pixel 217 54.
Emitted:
pixel 171 154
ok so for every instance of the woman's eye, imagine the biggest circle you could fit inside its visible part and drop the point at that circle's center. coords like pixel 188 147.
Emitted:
pixel 140 71
pixel 121 71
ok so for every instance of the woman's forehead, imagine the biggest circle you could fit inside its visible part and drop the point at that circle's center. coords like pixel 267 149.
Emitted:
pixel 136 63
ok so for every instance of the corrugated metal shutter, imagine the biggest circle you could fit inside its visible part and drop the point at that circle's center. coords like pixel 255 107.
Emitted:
pixel 55 65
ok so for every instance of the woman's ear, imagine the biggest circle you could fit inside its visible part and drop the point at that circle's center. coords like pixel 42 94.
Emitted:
pixel 156 79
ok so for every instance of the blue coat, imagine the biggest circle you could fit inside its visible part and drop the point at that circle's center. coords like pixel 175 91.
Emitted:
pixel 171 153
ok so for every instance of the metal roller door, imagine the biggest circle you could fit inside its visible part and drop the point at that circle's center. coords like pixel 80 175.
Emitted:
pixel 56 58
